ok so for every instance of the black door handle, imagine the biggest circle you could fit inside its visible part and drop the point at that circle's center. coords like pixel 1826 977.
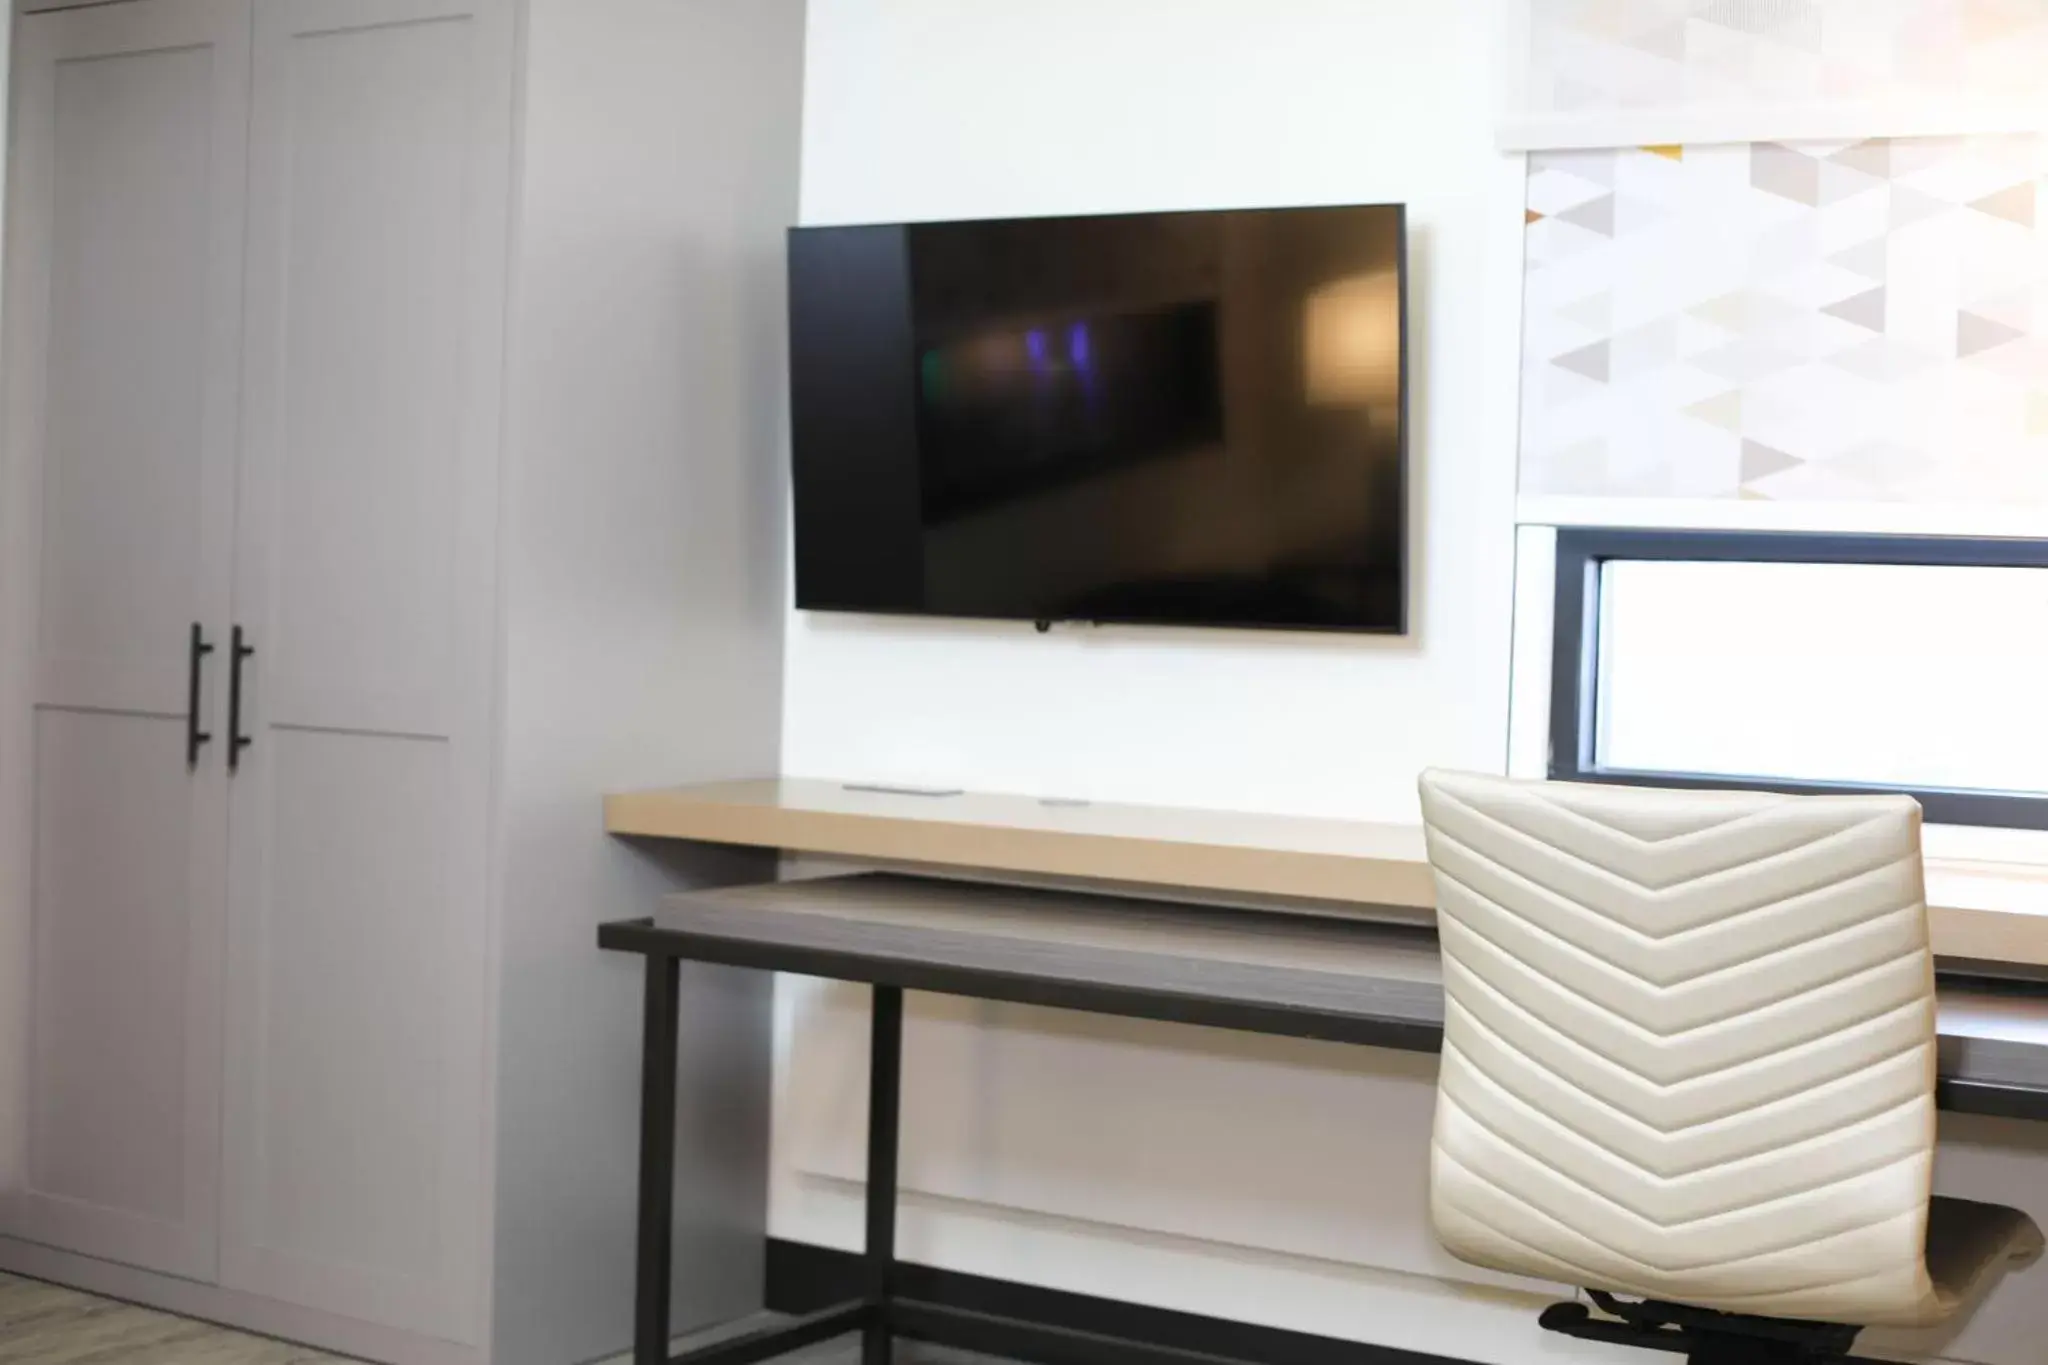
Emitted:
pixel 194 736
pixel 237 741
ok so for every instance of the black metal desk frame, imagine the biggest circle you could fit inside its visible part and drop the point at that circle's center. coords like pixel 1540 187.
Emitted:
pixel 881 1315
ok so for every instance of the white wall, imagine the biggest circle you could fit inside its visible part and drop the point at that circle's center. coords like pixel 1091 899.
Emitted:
pixel 937 109
pixel 1254 1178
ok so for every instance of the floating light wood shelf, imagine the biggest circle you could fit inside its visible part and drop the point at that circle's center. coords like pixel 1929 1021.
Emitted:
pixel 1982 911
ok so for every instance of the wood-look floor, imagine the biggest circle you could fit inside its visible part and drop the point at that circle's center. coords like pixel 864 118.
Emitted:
pixel 44 1324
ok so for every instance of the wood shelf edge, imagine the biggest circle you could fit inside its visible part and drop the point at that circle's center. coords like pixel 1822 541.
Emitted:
pixel 1207 851
pixel 2017 937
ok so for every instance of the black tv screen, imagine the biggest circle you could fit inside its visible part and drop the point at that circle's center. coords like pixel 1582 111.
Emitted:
pixel 1171 418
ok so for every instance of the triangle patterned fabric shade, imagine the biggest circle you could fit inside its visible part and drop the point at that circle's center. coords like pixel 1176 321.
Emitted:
pixel 1663 72
pixel 1843 322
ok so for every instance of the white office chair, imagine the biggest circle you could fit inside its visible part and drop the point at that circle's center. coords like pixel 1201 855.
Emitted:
pixel 1689 1057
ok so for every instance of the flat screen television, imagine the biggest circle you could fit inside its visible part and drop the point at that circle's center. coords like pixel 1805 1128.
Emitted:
pixel 1168 418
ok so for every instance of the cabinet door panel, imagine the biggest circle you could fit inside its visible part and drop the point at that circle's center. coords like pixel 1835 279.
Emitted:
pixel 364 470
pixel 356 1139
pixel 123 356
pixel 345 1079
pixel 124 497
pixel 120 1163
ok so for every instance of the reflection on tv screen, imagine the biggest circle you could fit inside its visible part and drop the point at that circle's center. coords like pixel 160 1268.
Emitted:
pixel 1024 406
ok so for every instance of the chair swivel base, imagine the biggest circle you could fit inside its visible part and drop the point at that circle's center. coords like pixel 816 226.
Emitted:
pixel 1703 1336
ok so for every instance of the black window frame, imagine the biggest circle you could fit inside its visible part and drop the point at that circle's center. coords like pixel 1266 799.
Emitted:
pixel 1575 643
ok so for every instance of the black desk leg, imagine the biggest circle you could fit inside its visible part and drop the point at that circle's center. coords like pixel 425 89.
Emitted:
pixel 657 1163
pixel 885 1097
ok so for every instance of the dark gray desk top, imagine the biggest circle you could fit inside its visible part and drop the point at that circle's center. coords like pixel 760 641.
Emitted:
pixel 1310 976
pixel 1304 960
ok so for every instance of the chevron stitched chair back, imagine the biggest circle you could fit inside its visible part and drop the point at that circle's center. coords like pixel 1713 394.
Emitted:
pixel 1689 1045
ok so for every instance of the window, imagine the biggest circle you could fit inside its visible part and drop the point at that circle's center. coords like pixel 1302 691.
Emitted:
pixel 1807 663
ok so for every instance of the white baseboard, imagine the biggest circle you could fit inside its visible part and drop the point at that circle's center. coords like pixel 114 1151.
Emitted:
pixel 231 1308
